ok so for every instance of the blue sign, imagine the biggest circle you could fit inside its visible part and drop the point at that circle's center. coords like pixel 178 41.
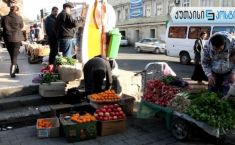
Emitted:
pixel 136 8
pixel 203 15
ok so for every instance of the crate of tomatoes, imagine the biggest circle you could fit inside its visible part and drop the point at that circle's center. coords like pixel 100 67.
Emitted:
pixel 78 126
pixel 48 127
pixel 104 98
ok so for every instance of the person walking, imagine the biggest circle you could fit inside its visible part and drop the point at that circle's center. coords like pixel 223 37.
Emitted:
pixel 216 64
pixel 12 33
pixel 65 30
pixel 51 34
pixel 198 74
pixel 95 71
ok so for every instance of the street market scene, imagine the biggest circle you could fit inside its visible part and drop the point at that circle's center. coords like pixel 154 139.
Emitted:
pixel 117 72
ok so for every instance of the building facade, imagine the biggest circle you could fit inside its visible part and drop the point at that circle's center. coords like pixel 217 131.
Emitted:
pixel 156 14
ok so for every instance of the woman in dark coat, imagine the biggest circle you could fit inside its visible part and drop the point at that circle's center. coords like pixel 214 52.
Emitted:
pixel 198 74
pixel 12 25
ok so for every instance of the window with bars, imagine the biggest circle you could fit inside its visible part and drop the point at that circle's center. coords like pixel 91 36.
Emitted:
pixel 159 8
pixel 206 3
pixel 227 3
pixel 186 3
pixel 126 14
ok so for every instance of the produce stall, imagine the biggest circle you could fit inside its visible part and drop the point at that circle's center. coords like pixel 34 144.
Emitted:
pixel 172 98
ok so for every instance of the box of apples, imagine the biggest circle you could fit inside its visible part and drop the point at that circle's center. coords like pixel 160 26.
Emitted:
pixel 111 119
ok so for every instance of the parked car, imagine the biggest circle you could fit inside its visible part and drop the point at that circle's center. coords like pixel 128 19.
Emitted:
pixel 150 45
pixel 124 41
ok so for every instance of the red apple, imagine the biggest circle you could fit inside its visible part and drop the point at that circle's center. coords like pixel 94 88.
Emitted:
pixel 112 113
pixel 95 114
pixel 107 114
pixel 119 108
pixel 115 117
pixel 109 110
pixel 103 110
pixel 105 118
pixel 101 114
pixel 116 105
pixel 105 106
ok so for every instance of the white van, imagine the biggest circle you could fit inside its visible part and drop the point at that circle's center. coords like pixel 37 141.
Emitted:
pixel 180 38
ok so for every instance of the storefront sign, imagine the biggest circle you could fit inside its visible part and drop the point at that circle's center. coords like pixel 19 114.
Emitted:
pixel 136 8
pixel 203 15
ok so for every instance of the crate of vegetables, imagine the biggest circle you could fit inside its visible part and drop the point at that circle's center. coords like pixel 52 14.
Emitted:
pixel 105 98
pixel 78 127
pixel 112 120
pixel 48 127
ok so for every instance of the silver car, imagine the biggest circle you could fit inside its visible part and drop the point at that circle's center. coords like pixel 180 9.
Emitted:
pixel 150 45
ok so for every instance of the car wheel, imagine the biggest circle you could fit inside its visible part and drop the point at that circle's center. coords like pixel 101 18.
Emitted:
pixel 138 49
pixel 180 129
pixel 185 58
pixel 157 51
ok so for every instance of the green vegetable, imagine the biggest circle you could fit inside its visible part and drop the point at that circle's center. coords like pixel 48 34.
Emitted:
pixel 209 108
pixel 60 60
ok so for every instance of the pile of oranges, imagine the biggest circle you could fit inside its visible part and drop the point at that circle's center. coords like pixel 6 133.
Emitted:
pixel 106 96
pixel 82 118
pixel 42 123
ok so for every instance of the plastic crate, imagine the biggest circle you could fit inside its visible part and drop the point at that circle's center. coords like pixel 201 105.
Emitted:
pixel 74 132
pixel 111 127
pixel 49 132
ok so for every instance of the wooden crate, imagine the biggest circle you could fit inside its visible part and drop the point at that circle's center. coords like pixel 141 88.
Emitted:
pixel 111 127
pixel 49 132
pixel 54 89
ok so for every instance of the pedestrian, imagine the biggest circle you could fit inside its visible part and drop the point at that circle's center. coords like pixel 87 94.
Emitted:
pixel 216 63
pixel 31 33
pixel 51 34
pixel 65 30
pixel 12 33
pixel 198 74
pixel 95 71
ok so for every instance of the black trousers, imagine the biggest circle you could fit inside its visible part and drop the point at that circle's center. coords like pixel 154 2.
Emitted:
pixel 13 50
pixel 53 51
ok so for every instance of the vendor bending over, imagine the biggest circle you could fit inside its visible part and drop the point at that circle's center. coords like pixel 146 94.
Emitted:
pixel 216 64
pixel 95 71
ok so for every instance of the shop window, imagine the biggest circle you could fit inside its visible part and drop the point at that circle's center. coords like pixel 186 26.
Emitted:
pixel 177 32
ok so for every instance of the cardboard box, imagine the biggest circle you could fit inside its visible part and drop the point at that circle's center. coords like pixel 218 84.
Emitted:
pixel 49 132
pixel 111 127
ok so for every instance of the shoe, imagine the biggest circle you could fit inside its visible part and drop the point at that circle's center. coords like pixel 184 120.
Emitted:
pixel 17 70
pixel 12 71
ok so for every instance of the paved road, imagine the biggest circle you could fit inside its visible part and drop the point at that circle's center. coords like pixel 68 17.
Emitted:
pixel 129 59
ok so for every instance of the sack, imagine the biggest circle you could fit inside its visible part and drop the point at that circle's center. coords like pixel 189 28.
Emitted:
pixel 70 72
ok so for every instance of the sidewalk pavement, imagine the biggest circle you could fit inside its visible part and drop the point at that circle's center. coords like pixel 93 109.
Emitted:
pixel 23 81
pixel 139 132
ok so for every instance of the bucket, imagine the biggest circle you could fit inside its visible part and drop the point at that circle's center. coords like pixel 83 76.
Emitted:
pixel 114 43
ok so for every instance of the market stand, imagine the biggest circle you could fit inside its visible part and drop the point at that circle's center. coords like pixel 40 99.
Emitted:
pixel 156 101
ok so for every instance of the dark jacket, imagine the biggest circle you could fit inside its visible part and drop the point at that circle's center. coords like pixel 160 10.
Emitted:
pixel 65 26
pixel 198 46
pixel 12 25
pixel 97 64
pixel 50 28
